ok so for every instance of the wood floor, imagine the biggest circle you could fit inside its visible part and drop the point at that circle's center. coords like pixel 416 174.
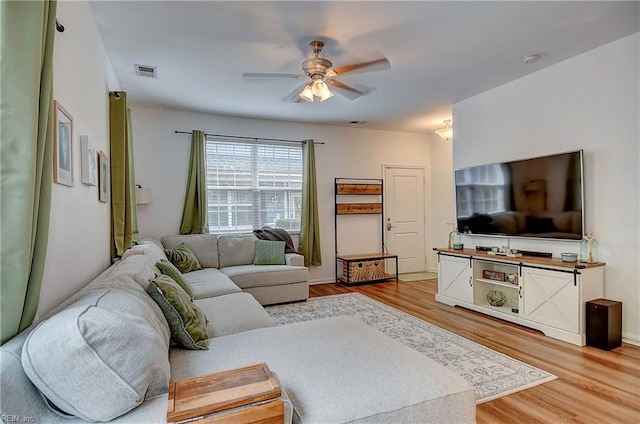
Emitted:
pixel 593 386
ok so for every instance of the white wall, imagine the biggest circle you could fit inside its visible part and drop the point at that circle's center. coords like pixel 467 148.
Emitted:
pixel 162 158
pixel 589 102
pixel 442 198
pixel 79 232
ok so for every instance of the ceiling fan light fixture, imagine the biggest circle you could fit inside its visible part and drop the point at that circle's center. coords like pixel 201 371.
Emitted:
pixel 446 132
pixel 326 94
pixel 318 87
pixel 307 93
pixel 320 74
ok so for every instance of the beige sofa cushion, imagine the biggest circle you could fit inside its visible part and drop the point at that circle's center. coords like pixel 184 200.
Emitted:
pixel 236 249
pixel 148 248
pixel 203 246
pixel 102 356
pixel 294 259
pixel 210 282
pixel 233 313
pixel 247 276
pixel 139 267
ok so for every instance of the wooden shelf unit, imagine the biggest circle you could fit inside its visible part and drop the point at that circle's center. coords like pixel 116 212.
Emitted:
pixel 358 208
pixel 346 188
pixel 361 268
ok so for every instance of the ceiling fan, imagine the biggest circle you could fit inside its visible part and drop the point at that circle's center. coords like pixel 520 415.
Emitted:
pixel 323 74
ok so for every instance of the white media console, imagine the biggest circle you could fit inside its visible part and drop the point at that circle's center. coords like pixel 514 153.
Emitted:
pixel 541 293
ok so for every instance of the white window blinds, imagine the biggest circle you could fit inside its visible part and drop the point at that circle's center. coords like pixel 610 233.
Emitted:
pixel 253 184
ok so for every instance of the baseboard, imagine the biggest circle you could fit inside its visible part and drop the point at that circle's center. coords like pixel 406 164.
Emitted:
pixel 631 341
pixel 321 281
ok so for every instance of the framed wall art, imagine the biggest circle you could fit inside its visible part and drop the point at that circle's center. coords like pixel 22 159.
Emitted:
pixel 62 146
pixel 103 176
pixel 89 161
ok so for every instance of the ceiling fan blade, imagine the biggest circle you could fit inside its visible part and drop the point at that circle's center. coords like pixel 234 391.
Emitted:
pixel 258 75
pixel 349 91
pixel 374 65
pixel 294 95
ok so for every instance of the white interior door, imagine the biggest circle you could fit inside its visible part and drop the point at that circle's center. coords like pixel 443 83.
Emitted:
pixel 405 216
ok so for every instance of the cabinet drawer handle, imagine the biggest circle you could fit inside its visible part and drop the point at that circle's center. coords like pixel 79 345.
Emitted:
pixel 520 292
pixel 471 281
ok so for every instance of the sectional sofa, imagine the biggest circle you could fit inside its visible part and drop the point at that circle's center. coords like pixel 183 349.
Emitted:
pixel 106 355
pixel 229 259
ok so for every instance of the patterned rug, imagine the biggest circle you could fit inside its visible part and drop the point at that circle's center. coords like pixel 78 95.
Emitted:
pixel 493 374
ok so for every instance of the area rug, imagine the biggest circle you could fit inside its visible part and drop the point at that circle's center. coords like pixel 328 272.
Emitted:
pixel 492 373
pixel 417 276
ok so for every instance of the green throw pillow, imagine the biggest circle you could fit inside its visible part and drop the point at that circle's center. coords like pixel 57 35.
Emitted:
pixel 188 324
pixel 269 252
pixel 167 268
pixel 183 258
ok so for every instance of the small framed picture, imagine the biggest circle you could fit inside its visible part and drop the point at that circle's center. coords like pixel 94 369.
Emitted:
pixel 62 146
pixel 103 175
pixel 89 161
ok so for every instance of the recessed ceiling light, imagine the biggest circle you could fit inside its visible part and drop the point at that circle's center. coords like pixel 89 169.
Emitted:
pixel 530 58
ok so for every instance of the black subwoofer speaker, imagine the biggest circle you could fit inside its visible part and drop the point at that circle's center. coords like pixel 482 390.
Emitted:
pixel 604 324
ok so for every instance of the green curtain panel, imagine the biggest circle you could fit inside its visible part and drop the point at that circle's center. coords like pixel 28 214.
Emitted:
pixel 27 32
pixel 195 216
pixel 132 187
pixel 309 245
pixel 124 215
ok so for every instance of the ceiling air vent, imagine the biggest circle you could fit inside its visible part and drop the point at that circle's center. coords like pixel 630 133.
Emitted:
pixel 146 71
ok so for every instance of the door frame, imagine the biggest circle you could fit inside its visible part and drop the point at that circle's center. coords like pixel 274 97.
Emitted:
pixel 425 240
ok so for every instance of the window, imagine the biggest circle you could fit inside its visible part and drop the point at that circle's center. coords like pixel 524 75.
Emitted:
pixel 250 185
pixel 482 189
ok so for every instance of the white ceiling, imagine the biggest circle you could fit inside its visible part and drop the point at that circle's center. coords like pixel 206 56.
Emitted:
pixel 440 52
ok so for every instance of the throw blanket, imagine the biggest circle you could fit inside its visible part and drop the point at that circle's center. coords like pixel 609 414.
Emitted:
pixel 276 234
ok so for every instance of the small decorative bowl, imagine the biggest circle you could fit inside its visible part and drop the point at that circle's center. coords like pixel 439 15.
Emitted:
pixel 569 257
pixel 458 246
pixel 496 298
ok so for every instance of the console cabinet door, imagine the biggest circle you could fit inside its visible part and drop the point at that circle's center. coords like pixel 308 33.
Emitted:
pixel 455 278
pixel 551 298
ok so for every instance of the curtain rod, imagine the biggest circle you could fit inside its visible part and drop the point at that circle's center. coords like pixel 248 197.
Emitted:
pixel 249 138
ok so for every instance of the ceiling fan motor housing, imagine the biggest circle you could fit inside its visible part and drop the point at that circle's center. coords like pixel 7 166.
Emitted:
pixel 317 66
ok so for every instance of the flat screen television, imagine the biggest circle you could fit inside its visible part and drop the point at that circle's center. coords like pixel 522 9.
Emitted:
pixel 540 197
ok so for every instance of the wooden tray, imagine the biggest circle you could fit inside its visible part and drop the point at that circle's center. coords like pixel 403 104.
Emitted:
pixel 199 396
